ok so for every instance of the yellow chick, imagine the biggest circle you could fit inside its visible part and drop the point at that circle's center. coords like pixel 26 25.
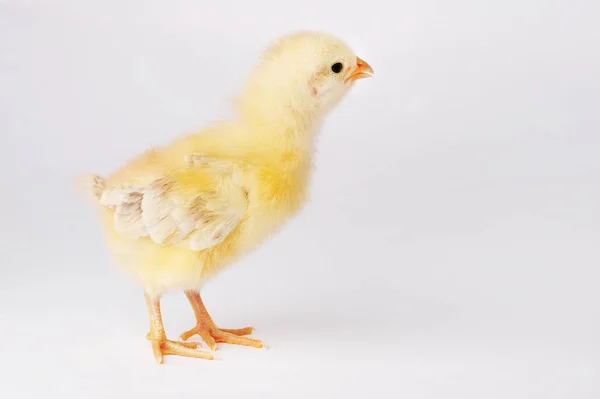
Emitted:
pixel 176 215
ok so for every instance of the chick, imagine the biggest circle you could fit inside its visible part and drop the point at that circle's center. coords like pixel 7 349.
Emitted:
pixel 174 216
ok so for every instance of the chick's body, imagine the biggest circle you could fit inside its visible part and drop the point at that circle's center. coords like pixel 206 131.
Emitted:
pixel 175 215
pixel 264 179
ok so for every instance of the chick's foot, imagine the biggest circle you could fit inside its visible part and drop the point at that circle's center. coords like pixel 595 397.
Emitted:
pixel 212 335
pixel 168 347
pixel 160 344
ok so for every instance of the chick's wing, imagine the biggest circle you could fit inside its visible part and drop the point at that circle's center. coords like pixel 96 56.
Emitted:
pixel 198 206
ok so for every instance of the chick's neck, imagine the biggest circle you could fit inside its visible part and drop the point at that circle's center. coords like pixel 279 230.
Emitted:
pixel 287 126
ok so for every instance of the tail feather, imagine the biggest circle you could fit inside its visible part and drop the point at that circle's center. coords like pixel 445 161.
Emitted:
pixel 91 185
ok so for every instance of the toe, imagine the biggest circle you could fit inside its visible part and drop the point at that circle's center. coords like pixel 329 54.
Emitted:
pixel 177 348
pixel 192 345
pixel 190 333
pixel 208 339
pixel 238 331
pixel 229 338
pixel 157 352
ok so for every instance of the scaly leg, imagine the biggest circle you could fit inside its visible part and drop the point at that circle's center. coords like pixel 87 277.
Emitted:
pixel 210 333
pixel 160 344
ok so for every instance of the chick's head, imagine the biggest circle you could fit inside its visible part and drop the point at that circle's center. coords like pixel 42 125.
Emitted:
pixel 304 74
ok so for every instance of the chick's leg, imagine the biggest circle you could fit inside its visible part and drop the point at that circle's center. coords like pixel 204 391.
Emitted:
pixel 160 344
pixel 210 333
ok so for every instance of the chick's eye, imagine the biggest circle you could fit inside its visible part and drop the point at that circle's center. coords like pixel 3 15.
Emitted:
pixel 337 67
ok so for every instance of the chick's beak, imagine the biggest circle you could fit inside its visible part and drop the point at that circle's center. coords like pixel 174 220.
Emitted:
pixel 362 70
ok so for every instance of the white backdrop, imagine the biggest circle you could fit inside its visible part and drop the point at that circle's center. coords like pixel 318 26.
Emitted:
pixel 451 245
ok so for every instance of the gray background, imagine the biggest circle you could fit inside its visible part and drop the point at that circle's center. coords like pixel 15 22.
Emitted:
pixel 450 248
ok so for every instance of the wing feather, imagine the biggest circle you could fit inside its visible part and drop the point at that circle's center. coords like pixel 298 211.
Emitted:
pixel 160 212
